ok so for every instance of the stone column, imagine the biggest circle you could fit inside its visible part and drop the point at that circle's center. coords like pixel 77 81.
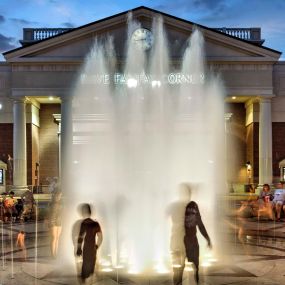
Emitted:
pixel 265 141
pixel 66 135
pixel 19 145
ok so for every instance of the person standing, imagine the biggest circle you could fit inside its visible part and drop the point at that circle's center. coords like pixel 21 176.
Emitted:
pixel 90 235
pixel 192 221
pixel 55 222
pixel 20 243
pixel 29 204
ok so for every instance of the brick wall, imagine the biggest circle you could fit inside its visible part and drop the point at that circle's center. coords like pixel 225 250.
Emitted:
pixel 48 146
pixel 6 144
pixel 278 147
pixel 252 149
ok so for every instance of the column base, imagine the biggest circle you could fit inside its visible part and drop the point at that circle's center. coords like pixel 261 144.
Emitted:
pixel 19 190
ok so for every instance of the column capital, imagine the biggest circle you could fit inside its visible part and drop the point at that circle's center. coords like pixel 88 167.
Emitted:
pixel 18 100
pixel 66 98
pixel 266 99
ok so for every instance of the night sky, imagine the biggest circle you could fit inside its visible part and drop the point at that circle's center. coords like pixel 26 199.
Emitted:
pixel 18 14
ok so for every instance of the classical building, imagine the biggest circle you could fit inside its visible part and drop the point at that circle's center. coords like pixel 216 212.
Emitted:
pixel 36 81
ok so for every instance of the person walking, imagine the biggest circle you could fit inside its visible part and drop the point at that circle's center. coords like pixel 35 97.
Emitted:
pixel 90 235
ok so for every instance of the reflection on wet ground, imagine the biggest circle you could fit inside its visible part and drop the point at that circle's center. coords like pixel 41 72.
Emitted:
pixel 256 255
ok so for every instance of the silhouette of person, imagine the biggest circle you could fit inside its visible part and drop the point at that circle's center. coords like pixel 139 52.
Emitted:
pixel 55 221
pixel 10 168
pixel 192 220
pixel 176 212
pixel 20 243
pixel 90 235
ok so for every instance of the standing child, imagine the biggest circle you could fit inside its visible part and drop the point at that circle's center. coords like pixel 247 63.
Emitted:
pixel 20 243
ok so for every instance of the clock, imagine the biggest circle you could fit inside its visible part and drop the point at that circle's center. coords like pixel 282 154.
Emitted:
pixel 142 38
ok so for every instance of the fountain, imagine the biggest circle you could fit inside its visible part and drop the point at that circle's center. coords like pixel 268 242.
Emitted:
pixel 144 127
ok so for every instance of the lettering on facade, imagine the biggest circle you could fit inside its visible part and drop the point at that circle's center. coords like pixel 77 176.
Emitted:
pixel 133 80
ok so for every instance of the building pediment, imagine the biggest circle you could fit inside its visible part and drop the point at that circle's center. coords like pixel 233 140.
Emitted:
pixel 74 45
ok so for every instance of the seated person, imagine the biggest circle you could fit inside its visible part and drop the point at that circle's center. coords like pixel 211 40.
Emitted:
pixel 9 207
pixel 279 200
pixel 265 202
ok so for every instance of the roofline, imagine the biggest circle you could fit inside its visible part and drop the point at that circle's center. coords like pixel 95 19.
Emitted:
pixel 149 9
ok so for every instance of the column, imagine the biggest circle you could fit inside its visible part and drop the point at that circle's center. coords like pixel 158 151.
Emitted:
pixel 265 141
pixel 19 145
pixel 66 135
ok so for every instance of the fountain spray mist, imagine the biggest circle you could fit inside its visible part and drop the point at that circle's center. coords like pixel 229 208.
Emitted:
pixel 142 129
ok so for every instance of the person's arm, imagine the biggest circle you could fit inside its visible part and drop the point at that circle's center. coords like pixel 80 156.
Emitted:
pixel 80 239
pixel 99 239
pixel 203 231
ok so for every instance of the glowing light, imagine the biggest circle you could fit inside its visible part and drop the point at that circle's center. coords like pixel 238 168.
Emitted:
pixel 50 98
pixel 160 268
pixel 133 271
pixel 132 83
pixel 155 83
pixel 107 269
pixel 176 265
pixel 234 97
pixel 1 106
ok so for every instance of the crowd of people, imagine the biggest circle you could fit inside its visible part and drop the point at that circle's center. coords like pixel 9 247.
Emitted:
pixel 184 214
pixel 269 204
pixel 14 209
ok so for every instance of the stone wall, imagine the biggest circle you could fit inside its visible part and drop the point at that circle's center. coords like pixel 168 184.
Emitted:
pixel 236 143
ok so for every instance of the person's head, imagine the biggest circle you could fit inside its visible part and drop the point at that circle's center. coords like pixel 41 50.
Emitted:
pixel 22 232
pixel 192 208
pixel 11 194
pixel 86 210
pixel 266 187
pixel 279 185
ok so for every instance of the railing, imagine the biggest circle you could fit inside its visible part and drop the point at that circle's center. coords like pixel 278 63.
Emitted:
pixel 31 35
pixel 41 189
pixel 249 34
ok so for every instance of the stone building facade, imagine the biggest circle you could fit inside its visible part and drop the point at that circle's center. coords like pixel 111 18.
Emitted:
pixel 36 82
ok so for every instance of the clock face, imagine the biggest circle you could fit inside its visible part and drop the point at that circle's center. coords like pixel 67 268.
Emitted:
pixel 142 38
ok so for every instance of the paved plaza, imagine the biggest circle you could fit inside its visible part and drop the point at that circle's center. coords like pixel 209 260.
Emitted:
pixel 257 256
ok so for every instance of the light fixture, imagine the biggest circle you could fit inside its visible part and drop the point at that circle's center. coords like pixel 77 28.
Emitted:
pixel 1 106
pixel 132 83
pixel 50 98
pixel 155 83
pixel 234 97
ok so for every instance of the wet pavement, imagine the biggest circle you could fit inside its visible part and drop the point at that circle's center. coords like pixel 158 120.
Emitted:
pixel 256 256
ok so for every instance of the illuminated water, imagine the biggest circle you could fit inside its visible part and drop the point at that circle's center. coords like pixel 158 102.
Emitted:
pixel 144 128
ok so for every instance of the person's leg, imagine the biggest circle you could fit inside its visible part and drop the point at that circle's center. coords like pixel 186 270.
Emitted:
pixel 57 235
pixel 196 272
pixel 53 241
pixel 278 207
pixel 178 264
pixel 24 212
